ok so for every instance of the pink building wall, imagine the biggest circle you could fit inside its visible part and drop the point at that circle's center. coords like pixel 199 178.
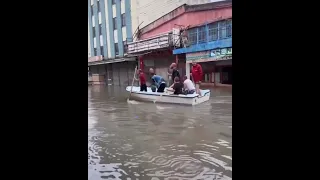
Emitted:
pixel 192 19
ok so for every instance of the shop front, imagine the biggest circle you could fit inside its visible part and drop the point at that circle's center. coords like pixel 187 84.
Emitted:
pixel 118 71
pixel 156 53
pixel 216 65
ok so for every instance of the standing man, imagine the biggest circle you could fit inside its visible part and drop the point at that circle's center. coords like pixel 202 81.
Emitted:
pixel 196 74
pixel 158 81
pixel 175 73
pixel 142 79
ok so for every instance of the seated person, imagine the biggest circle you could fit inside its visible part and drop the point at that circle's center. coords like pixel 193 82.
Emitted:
pixel 188 86
pixel 177 86
pixel 158 81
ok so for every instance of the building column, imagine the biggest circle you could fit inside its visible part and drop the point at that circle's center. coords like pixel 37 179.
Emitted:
pixel 214 75
pixel 188 70
pixel 221 74
pixel 177 59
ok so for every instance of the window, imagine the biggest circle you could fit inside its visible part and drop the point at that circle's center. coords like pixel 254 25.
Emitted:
pixel 114 23
pixel 113 1
pixel 202 34
pixel 229 28
pixel 93 31
pixel 213 32
pixel 192 35
pixel 95 52
pixel 92 13
pixel 125 47
pixel 98 5
pixel 123 20
pixel 101 51
pixel 116 48
pixel 100 28
pixel 222 30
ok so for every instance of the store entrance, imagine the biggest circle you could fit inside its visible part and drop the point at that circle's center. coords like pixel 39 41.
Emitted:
pixel 226 75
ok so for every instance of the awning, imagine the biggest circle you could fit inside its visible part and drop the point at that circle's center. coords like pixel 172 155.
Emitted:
pixel 209 59
pixel 108 61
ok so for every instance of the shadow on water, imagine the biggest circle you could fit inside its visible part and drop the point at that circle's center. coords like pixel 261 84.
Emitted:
pixel 158 141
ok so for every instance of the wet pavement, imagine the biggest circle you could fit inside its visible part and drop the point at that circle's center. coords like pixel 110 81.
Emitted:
pixel 135 140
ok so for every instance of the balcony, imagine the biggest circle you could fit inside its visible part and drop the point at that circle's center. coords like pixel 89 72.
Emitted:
pixel 207 37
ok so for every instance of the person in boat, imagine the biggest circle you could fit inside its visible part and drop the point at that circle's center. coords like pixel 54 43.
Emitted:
pixel 188 86
pixel 142 79
pixel 174 73
pixel 158 81
pixel 177 86
pixel 196 74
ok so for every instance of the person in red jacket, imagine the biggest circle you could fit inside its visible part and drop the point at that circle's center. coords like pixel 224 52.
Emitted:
pixel 196 74
pixel 142 79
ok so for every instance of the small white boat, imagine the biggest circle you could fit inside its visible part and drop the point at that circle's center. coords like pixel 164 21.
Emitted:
pixel 190 99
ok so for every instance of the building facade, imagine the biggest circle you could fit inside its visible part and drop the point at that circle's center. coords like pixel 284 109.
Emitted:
pixel 208 41
pixel 113 24
pixel 179 36
pixel 109 31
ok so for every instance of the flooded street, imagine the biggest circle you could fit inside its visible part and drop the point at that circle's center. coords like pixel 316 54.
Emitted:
pixel 137 140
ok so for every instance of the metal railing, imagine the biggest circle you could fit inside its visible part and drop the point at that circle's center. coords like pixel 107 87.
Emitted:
pixel 209 34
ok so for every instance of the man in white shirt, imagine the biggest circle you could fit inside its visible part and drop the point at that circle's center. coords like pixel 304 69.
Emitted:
pixel 188 86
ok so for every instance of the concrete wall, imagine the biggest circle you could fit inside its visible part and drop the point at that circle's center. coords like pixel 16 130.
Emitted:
pixel 192 19
pixel 147 11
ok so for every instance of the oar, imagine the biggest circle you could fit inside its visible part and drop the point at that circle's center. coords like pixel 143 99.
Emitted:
pixel 134 76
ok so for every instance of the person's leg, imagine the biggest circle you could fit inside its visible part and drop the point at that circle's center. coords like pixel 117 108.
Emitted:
pixel 144 88
pixel 197 88
pixel 161 87
pixel 191 92
pixel 153 88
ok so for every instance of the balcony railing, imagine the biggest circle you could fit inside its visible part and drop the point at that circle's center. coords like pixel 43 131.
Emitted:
pixel 210 32
pixel 207 34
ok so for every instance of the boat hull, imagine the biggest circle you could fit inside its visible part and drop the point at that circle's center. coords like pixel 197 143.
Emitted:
pixel 150 96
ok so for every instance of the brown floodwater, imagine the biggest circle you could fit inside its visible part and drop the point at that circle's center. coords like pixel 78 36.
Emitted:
pixel 138 140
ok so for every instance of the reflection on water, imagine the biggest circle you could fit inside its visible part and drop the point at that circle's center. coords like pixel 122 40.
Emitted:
pixel 135 140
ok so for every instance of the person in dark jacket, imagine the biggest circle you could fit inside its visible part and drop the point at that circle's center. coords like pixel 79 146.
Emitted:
pixel 177 86
pixel 175 73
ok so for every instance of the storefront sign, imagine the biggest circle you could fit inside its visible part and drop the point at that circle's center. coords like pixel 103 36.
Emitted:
pixel 158 42
pixel 213 55
pixel 220 52
pixel 95 58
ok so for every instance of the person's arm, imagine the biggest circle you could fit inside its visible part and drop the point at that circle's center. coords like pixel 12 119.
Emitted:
pixel 172 87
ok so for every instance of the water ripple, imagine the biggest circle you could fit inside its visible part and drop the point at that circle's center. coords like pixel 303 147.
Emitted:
pixel 135 140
